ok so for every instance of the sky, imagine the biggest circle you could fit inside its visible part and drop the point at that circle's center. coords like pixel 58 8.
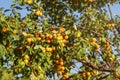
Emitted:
pixel 6 4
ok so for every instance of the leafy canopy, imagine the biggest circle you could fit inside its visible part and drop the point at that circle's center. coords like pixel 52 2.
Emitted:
pixel 60 39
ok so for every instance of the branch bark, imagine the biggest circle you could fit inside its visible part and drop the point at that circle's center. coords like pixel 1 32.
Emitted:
pixel 101 78
pixel 110 11
pixel 99 68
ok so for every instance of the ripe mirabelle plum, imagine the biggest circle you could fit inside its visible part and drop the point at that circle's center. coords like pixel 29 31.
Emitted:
pixel 90 1
pixel 88 74
pixel 26 57
pixel 93 40
pixel 78 34
pixel 65 76
pixel 4 30
pixel 29 2
pixel 61 29
pixel 30 40
pixel 38 13
pixel 22 63
pixel 26 61
pixel 66 37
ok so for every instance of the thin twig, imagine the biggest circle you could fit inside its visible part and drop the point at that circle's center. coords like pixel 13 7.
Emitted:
pixel 110 11
pixel 101 78
pixel 101 68
pixel 103 58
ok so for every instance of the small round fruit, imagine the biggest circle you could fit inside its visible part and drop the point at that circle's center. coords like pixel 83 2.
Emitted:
pixel 54 35
pixel 86 58
pixel 64 41
pixel 62 44
pixel 44 51
pixel 97 46
pixel 100 39
pixel 48 41
pixel 84 75
pixel 38 13
pixel 49 49
pixel 66 37
pixel 4 30
pixel 111 59
pixel 61 60
pixel 107 44
pixel 8 47
pixel 23 24
pixel 58 73
pixel 40 69
pixel 24 33
pixel 90 1
pixel 61 63
pixel 30 40
pixel 61 29
pixel 22 63
pixel 88 74
pixel 65 76
pixel 59 37
pixel 14 32
pixel 39 39
pixel 42 36
pixel 53 48
pixel 26 57
pixel 62 68
pixel 94 72
pixel 16 70
pixel 28 35
pixel 59 68
pixel 93 40
pixel 50 36
pixel 26 61
pixel 112 25
pixel 47 35
pixel 29 2
pixel 57 62
pixel 78 34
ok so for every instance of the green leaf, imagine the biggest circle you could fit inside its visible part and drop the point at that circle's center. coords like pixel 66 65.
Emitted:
pixel 17 7
pixel 2 50
pixel 110 78
pixel 6 10
pixel 4 42
pixel 32 76
pixel 68 32
pixel 38 47
pixel 75 27
pixel 12 6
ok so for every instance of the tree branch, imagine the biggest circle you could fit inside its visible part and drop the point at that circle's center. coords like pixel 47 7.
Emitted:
pixel 99 68
pixel 110 11
pixel 101 78
pixel 103 58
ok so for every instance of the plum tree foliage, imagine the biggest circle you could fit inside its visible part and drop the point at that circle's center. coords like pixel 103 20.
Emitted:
pixel 55 37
